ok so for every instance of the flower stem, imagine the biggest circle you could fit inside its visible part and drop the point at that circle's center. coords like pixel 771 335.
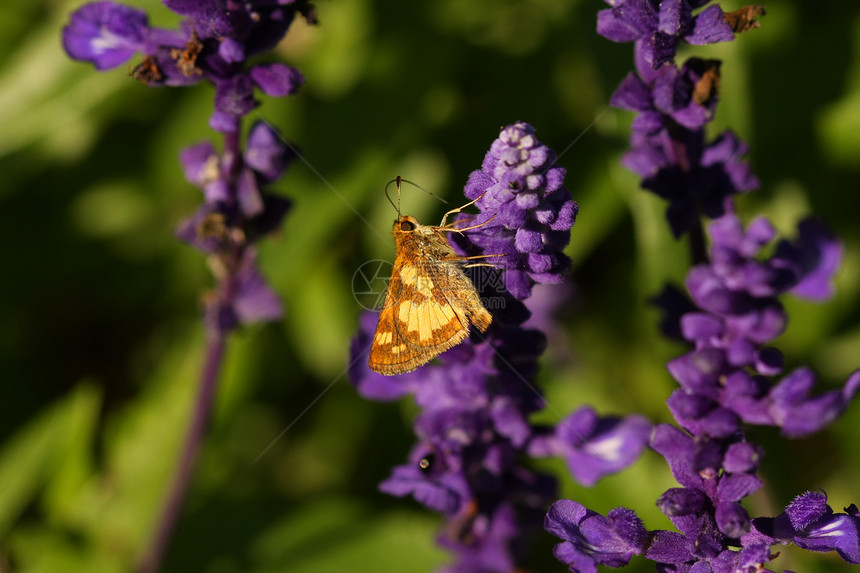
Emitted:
pixel 151 559
pixel 698 247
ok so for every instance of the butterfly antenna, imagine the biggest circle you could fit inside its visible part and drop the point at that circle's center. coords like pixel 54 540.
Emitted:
pixel 422 188
pixel 387 196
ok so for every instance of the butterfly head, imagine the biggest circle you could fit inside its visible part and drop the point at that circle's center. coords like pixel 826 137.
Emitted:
pixel 406 225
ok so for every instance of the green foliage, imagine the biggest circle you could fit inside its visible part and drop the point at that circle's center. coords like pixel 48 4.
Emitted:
pixel 100 341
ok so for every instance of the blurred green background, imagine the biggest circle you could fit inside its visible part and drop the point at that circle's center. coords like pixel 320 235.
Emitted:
pixel 100 337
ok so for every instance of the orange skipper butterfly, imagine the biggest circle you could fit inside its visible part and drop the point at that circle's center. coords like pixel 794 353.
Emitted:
pixel 430 302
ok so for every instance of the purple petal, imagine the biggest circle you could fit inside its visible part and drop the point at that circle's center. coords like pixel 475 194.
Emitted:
pixel 612 25
pixel 200 163
pixel 268 154
pixel 255 301
pixel 673 15
pixel 632 94
pixel 668 547
pixel 248 194
pixel 838 532
pixel 231 51
pixel 277 80
pixel 235 96
pixel 742 457
pixel 595 447
pixel 223 122
pixel 710 27
pixel 820 256
pixel 807 508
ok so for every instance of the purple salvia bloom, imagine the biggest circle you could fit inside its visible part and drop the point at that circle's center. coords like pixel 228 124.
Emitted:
pixel 593 446
pixel 430 480
pixel 591 539
pixel 526 212
pixel 235 96
pixel 658 27
pixel 733 312
pixel 816 256
pixel 669 95
pixel 811 524
pixel 105 33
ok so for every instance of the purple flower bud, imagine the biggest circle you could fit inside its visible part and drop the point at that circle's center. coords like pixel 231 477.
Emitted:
pixel 735 487
pixel 732 519
pixel 699 371
pixel 742 457
pixel 679 501
pixel 235 96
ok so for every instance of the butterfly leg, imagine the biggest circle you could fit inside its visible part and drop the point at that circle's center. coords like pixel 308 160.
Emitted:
pixel 458 209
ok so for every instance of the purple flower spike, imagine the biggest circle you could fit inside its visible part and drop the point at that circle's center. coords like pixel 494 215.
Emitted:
pixel 526 212
pixel 105 33
pixel 211 43
pixel 591 539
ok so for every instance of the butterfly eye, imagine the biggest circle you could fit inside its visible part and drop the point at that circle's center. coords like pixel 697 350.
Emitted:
pixel 407 226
